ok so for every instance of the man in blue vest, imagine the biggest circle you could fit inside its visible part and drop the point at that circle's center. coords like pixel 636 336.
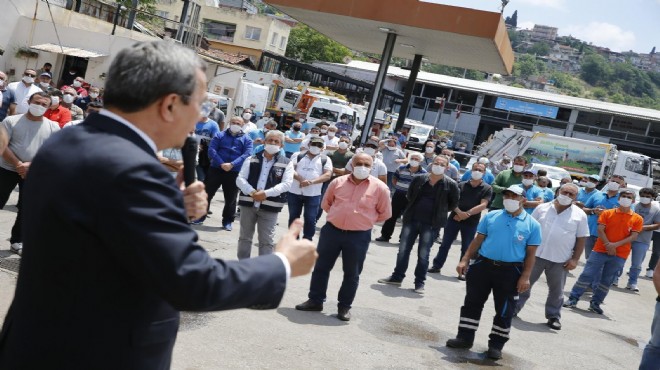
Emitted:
pixel 264 180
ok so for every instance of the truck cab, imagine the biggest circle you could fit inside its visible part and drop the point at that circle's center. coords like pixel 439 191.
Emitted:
pixel 636 168
pixel 418 133
pixel 331 113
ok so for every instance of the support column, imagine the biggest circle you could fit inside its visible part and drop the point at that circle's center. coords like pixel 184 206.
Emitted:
pixel 378 85
pixel 479 103
pixel 407 95
pixel 571 123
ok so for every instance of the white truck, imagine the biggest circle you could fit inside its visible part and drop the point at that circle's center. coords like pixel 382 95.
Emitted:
pixel 579 157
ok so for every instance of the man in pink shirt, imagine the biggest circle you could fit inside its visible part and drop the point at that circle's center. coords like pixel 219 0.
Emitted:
pixel 354 203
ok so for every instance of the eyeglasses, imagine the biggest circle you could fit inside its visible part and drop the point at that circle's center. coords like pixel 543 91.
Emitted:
pixel 30 75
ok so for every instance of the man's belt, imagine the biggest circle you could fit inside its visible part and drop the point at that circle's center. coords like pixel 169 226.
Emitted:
pixel 498 263
pixel 346 231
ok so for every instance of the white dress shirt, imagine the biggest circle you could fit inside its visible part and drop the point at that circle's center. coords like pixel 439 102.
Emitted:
pixel 309 169
pixel 559 231
pixel 282 187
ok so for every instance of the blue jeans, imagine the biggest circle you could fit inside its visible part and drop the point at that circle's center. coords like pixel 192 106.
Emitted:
pixel 610 266
pixel 390 176
pixel 651 356
pixel 311 204
pixel 353 246
pixel 589 245
pixel 409 233
pixel 637 257
pixel 452 228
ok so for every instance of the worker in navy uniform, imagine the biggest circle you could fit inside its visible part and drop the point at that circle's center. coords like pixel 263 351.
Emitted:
pixel 506 242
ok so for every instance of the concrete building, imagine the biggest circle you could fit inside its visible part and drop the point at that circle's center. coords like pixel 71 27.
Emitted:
pixel 540 32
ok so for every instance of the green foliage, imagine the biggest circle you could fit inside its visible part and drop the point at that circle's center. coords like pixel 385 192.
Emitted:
pixel 525 66
pixel 540 48
pixel 453 71
pixel 512 20
pixel 308 45
pixel 145 8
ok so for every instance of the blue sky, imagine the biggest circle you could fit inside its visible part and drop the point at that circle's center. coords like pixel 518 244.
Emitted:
pixel 619 25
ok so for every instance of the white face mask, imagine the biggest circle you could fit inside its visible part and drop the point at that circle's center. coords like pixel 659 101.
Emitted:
pixel 37 110
pixel 54 101
pixel 590 185
pixel 77 83
pixel 314 150
pixel 583 183
pixel 430 149
pixel 645 200
pixel 361 172
pixel 438 169
pixel 235 128
pixel 476 175
pixel 324 131
pixel 511 205
pixel 518 168
pixel 613 186
pixel 313 135
pixel 625 202
pixel 343 145
pixel 414 163
pixel 271 148
pixel 28 79
pixel 527 182
pixel 331 134
pixel 564 200
pixel 93 95
pixel 443 145
pixel 247 116
pixel 369 151
pixel 44 84
pixel 68 98
pixel 391 148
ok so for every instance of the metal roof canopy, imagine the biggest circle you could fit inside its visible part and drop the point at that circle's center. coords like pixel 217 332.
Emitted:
pixel 444 34
pixel 75 52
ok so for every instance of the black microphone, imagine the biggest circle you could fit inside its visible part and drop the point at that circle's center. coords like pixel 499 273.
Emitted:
pixel 189 153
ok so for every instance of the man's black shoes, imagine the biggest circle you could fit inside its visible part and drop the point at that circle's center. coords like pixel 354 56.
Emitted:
pixel 310 305
pixel 344 314
pixel 459 343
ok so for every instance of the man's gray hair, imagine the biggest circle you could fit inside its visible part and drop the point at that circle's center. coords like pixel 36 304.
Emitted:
pixel 147 71
pixel 277 133
pixel 577 188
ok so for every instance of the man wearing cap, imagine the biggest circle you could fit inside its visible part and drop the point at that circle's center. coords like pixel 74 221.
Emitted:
pixel 504 253
pixel 311 170
pixel 607 198
pixel 45 79
pixel 617 228
pixel 378 168
pixel 588 189
pixel 487 177
pixel 564 230
pixel 533 194
pixel 505 179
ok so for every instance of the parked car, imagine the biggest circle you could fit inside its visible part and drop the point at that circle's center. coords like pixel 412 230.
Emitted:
pixel 555 174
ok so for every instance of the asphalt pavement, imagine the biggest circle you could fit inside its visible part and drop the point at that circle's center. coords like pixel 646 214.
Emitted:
pixel 392 327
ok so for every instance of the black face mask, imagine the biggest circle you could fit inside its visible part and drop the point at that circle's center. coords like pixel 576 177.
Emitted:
pixel 296 128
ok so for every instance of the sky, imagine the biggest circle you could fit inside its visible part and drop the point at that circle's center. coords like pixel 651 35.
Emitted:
pixel 619 25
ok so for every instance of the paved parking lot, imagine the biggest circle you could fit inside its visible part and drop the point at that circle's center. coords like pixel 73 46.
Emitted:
pixel 391 327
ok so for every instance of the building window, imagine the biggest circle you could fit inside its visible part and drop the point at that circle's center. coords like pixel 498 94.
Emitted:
pixel 273 40
pixel 162 13
pixel 283 43
pixel 219 31
pixel 252 33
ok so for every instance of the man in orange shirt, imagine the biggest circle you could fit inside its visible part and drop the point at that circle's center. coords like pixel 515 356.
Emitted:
pixel 353 204
pixel 617 228
pixel 57 112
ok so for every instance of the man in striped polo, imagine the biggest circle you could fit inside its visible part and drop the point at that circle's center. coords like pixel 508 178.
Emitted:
pixel 264 180
pixel 402 178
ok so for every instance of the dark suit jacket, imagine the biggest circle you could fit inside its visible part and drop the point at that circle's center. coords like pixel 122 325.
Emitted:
pixel 109 259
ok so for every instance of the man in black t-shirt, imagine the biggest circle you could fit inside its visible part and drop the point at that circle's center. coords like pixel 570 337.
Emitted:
pixel 475 195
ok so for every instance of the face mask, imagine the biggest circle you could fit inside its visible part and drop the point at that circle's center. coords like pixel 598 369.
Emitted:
pixel 438 169
pixel 590 185
pixel 645 200
pixel 44 84
pixel 625 202
pixel 68 98
pixel 527 182
pixel 272 148
pixel 247 116
pixel 361 172
pixel 54 101
pixel 313 135
pixel 476 175
pixel 518 168
pixel 93 95
pixel 235 128
pixel 343 145
pixel 77 83
pixel 391 148
pixel 613 186
pixel 511 205
pixel 414 163
pixel 324 131
pixel 369 151
pixel 564 200
pixel 296 128
pixel 72 73
pixel 37 110
pixel 28 79
pixel 314 150
pixel 583 183
pixel 331 134
pixel 2 83
pixel 429 149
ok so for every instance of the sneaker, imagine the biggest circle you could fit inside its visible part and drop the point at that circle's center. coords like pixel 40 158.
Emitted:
pixel 17 248
pixel 615 282
pixel 461 277
pixel 494 353
pixel 197 222
pixel 382 239
pixel 572 303
pixel 390 280
pixel 434 270
pixel 554 324
pixel 595 307
pixel 458 343
pixel 227 226
pixel 632 287
pixel 419 289
pixel 649 274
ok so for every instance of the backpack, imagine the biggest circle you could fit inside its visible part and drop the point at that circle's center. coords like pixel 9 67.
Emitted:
pixel 324 160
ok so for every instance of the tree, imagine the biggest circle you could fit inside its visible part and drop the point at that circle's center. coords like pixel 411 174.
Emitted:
pixel 513 20
pixel 540 48
pixel 595 69
pixel 525 66
pixel 652 51
pixel 145 8
pixel 307 45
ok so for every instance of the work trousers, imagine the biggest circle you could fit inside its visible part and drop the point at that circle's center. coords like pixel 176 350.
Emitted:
pixel 599 264
pixel 265 222
pixel 555 274
pixel 399 203
pixel 217 177
pixel 452 228
pixel 8 182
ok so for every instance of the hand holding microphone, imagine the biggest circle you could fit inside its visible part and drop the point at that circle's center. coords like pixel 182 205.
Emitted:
pixel 195 199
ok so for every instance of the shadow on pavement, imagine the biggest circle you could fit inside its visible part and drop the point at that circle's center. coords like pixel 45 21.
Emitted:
pixel 523 325
pixel 395 291
pixel 464 356
pixel 207 228
pixel 439 276
pixel 386 244
pixel 310 317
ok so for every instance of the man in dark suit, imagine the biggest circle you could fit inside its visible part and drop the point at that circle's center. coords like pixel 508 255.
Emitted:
pixel 98 193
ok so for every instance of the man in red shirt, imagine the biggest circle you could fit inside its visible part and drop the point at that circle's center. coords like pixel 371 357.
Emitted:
pixel 354 203
pixel 617 228
pixel 57 112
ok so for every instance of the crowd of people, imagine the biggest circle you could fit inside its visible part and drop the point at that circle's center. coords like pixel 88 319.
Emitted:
pixel 530 228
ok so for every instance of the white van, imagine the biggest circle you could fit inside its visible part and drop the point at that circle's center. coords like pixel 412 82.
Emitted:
pixel 331 113
pixel 418 133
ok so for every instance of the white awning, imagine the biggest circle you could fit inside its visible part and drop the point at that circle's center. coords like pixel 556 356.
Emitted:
pixel 75 52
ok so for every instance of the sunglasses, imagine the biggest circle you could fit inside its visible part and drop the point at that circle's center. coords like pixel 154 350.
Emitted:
pixel 29 75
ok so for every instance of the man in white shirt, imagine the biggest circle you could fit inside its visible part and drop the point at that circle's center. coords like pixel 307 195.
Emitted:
pixel 378 169
pixel 23 90
pixel 564 230
pixel 331 140
pixel 311 170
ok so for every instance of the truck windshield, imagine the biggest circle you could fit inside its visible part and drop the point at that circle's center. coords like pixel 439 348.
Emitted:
pixel 291 97
pixel 420 130
pixel 324 114
pixel 638 165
